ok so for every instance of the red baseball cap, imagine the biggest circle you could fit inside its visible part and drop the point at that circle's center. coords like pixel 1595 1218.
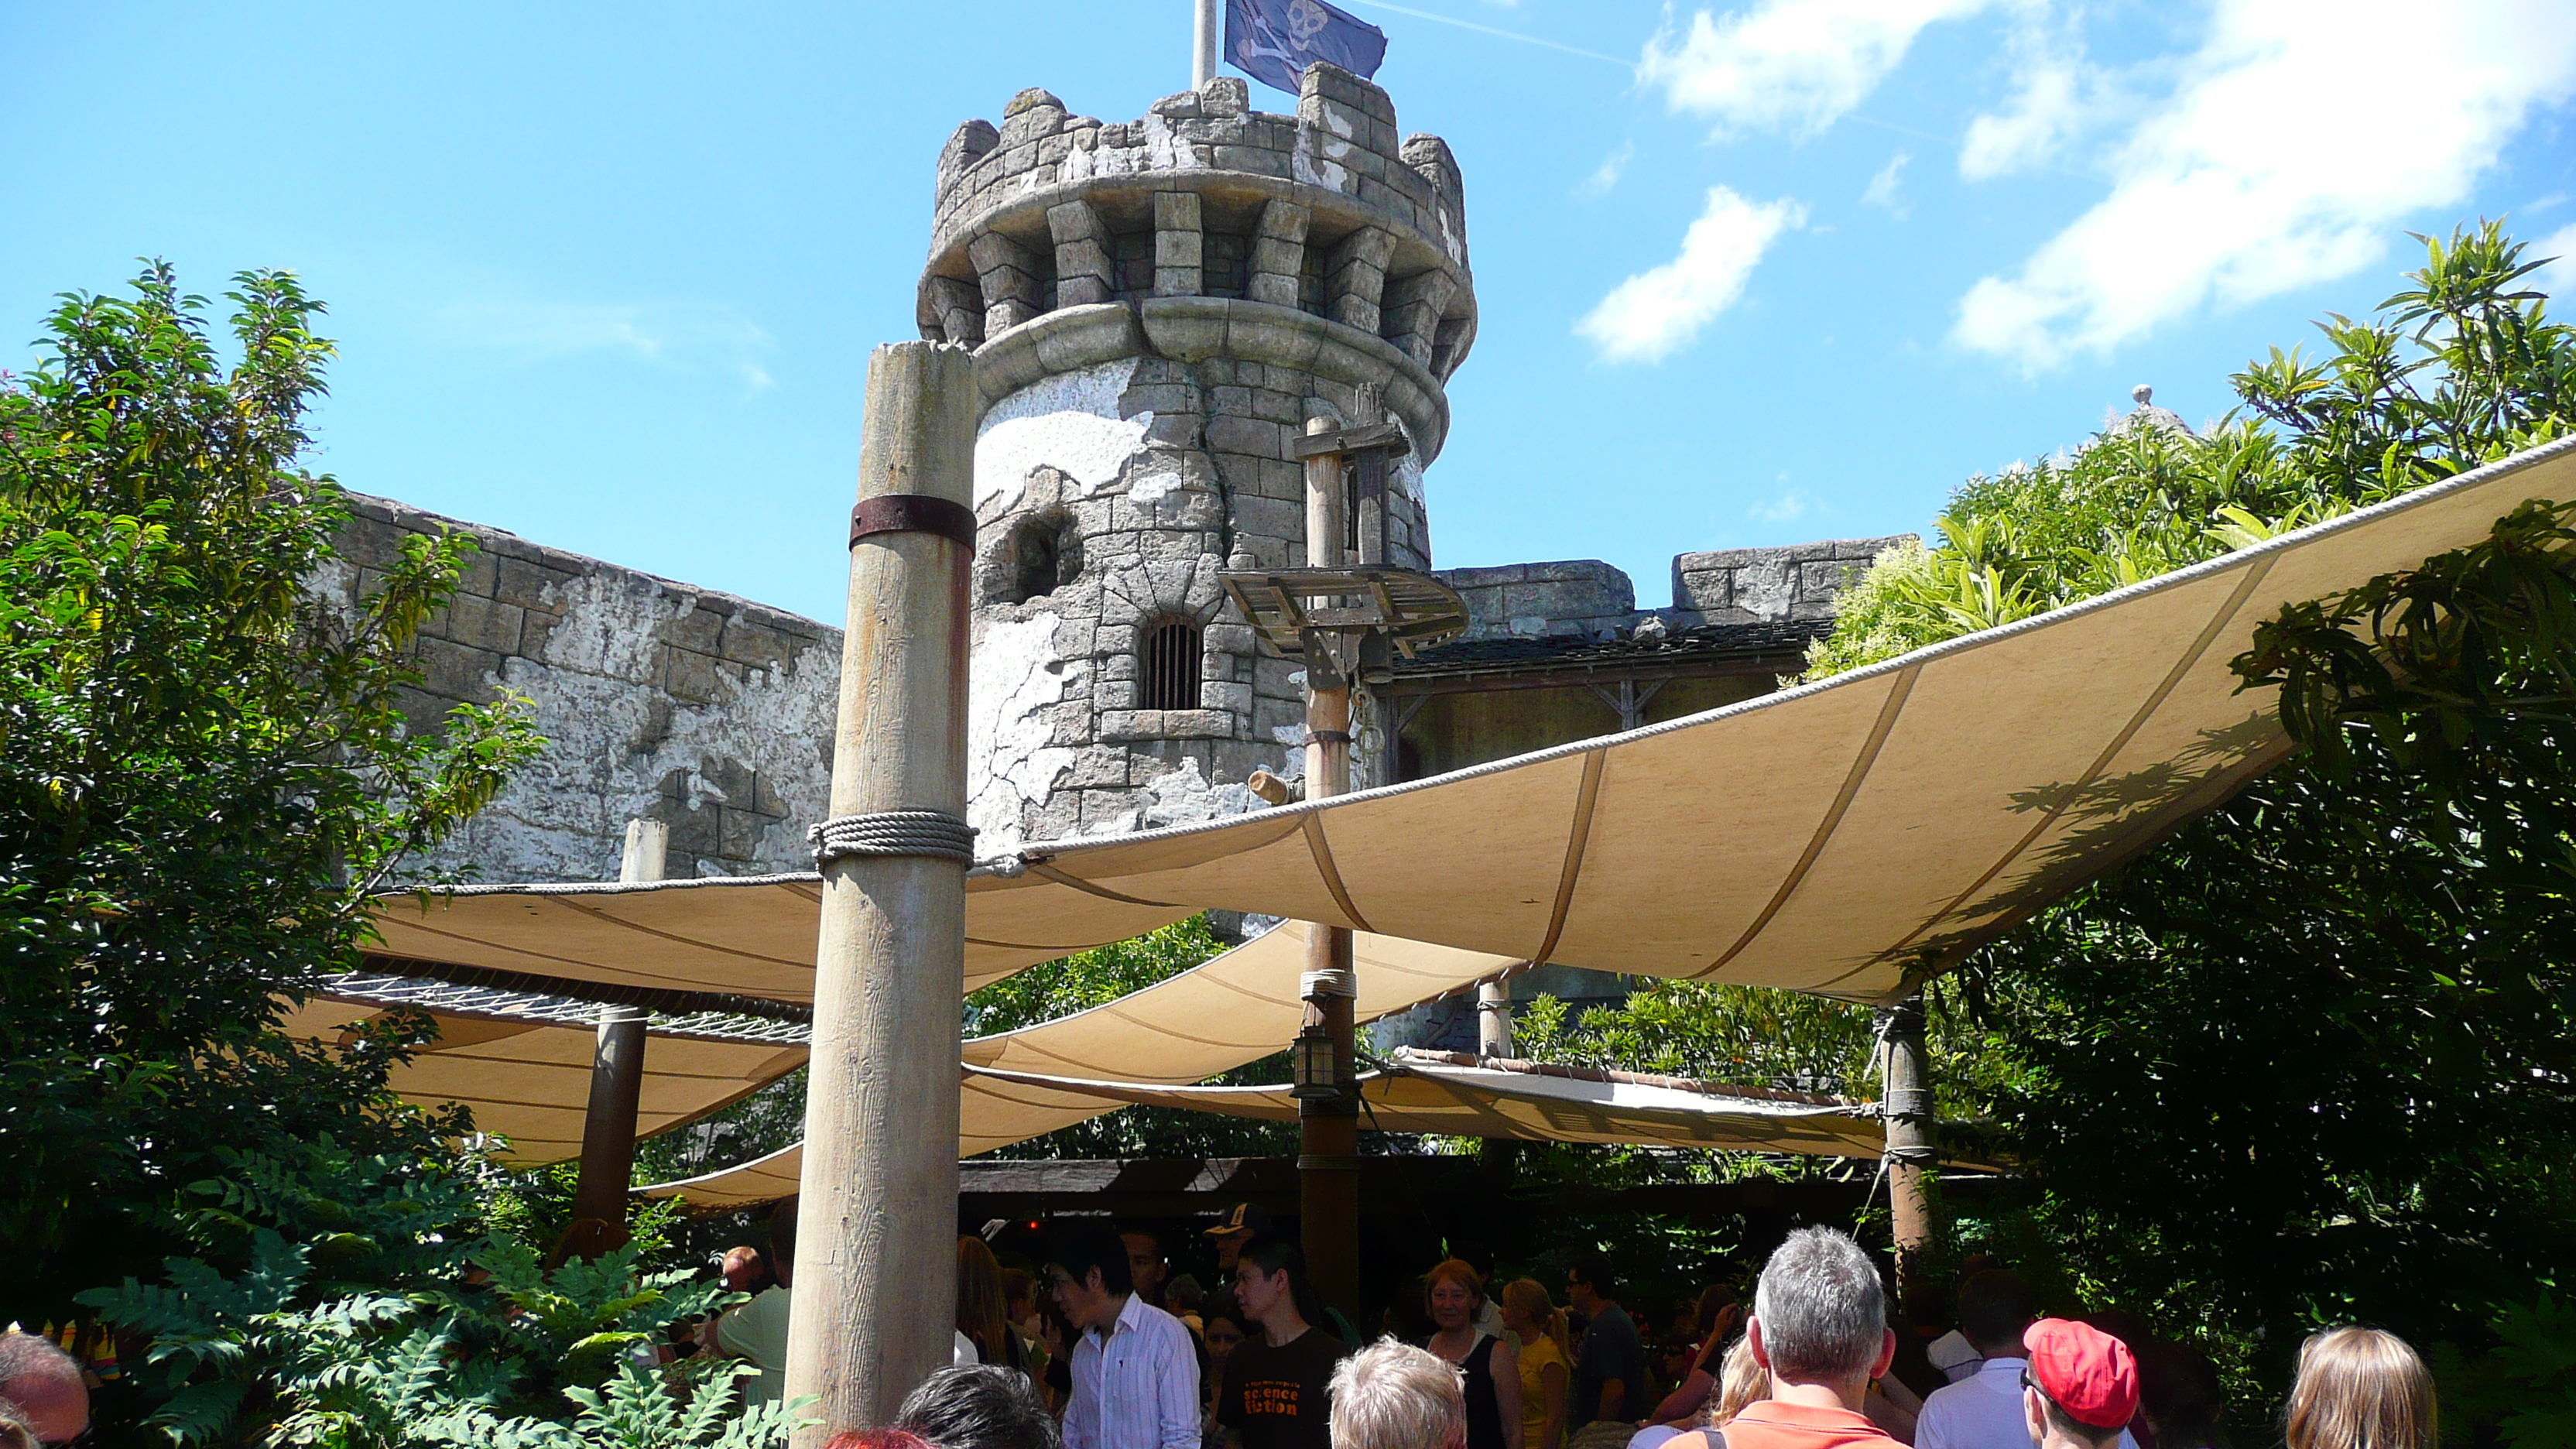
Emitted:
pixel 2090 1374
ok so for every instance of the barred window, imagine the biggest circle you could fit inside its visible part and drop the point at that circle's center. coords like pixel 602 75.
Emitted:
pixel 1167 675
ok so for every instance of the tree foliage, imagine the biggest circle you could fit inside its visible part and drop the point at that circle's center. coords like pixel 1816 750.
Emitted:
pixel 2308 1061
pixel 204 770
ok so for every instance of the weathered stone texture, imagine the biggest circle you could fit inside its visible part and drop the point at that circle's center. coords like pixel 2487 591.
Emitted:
pixel 1582 598
pixel 656 700
pixel 1315 211
pixel 1801 581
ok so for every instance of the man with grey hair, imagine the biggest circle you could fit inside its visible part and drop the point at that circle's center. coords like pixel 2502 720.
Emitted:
pixel 1391 1395
pixel 1819 1327
pixel 43 1387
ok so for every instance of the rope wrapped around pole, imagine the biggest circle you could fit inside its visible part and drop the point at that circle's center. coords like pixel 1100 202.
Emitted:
pixel 892 832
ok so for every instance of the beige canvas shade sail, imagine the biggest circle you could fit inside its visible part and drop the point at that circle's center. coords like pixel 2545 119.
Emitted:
pixel 529 1080
pixel 1483 1101
pixel 736 935
pixel 528 1077
pixel 1232 1010
pixel 1844 838
pixel 1421 1094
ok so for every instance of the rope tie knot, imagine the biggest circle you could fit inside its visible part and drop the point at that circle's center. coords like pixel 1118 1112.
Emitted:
pixel 892 832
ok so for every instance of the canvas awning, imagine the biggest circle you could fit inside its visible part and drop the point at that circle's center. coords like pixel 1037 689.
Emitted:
pixel 1440 1093
pixel 1845 838
pixel 522 1063
pixel 748 936
pixel 1533 1102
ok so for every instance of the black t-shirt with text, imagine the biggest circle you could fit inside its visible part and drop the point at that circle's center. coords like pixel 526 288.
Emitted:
pixel 1275 1398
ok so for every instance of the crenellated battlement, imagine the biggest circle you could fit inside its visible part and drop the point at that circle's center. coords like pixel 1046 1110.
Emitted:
pixel 1324 212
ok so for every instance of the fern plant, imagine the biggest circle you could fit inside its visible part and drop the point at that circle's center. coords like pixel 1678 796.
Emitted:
pixel 474 1342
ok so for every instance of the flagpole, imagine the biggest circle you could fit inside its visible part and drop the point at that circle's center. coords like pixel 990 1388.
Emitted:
pixel 1203 45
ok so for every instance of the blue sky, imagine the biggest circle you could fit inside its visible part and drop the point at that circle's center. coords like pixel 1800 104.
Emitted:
pixel 607 275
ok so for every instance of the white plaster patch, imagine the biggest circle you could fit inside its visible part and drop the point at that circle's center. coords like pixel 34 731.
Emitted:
pixel 1011 764
pixel 1151 487
pixel 594 685
pixel 1185 797
pixel 1069 422
pixel 1314 170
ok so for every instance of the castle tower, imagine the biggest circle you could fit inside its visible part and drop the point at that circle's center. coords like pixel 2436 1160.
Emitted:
pixel 1158 308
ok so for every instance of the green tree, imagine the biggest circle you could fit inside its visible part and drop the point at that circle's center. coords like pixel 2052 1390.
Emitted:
pixel 2308 1061
pixel 204 770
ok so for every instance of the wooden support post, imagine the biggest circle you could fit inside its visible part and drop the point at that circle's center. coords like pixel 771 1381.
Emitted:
pixel 616 1087
pixel 874 1298
pixel 1328 1128
pixel 1913 1144
pixel 1493 1018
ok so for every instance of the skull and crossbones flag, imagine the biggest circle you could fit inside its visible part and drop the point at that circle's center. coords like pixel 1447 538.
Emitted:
pixel 1273 41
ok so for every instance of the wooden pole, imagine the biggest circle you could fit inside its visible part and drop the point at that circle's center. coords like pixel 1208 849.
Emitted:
pixel 1494 1018
pixel 874 1298
pixel 1328 1128
pixel 616 1086
pixel 1913 1146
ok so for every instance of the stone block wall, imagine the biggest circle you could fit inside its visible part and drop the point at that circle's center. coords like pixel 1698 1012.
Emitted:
pixel 1581 598
pixel 1749 585
pixel 656 700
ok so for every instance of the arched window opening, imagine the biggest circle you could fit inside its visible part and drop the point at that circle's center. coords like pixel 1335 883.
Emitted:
pixel 1168 665
pixel 1043 554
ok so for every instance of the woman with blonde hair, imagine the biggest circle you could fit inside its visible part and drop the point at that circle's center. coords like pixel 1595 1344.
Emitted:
pixel 1545 1361
pixel 983 1307
pixel 1740 1383
pixel 1490 1365
pixel 2361 1388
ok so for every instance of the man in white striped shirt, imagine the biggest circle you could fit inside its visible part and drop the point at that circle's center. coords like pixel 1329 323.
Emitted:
pixel 1135 1373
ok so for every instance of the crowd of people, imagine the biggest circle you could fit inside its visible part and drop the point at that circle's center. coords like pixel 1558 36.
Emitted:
pixel 1101 1348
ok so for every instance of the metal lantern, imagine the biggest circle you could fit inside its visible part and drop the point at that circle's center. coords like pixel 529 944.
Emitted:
pixel 1316 1072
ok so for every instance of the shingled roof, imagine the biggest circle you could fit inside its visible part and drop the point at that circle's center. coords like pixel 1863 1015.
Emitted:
pixel 1697 644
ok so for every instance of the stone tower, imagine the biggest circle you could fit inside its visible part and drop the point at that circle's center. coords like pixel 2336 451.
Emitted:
pixel 1158 307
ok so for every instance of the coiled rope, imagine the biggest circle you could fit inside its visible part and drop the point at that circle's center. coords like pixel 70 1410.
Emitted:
pixel 892 832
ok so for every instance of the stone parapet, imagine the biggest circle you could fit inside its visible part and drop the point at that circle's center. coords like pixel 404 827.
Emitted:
pixel 1583 598
pixel 1801 581
pixel 1324 211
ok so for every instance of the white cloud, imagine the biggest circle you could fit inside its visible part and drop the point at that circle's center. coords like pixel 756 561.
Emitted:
pixel 1793 65
pixel 1883 188
pixel 684 335
pixel 2047 107
pixel 1787 508
pixel 2558 279
pixel 2279 161
pixel 1648 316
pixel 1607 175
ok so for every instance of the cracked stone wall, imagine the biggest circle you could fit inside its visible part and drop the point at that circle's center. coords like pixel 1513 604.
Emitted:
pixel 656 699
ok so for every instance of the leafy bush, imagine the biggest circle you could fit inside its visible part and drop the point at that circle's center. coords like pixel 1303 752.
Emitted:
pixel 2307 1061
